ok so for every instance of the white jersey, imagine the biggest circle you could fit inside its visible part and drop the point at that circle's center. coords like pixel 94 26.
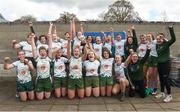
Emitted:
pixel 64 43
pixel 75 68
pixel 77 41
pixel 27 48
pixel 108 46
pixel 41 45
pixel 23 72
pixel 91 67
pixel 142 50
pixel 98 49
pixel 56 45
pixel 119 70
pixel 106 67
pixel 59 67
pixel 119 47
pixel 153 48
pixel 43 67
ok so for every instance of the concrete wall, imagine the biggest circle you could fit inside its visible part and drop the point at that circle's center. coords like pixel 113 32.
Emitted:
pixel 18 31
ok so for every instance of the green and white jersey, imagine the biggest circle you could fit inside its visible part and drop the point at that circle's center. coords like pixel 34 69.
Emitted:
pixel 43 67
pixel 59 67
pixel 142 50
pixel 41 45
pixel 23 72
pixel 106 67
pixel 119 70
pixel 153 48
pixel 108 46
pixel 98 49
pixel 91 67
pixel 119 47
pixel 75 68
pixel 27 48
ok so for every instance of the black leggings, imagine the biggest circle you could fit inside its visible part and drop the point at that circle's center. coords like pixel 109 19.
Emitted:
pixel 164 70
pixel 139 88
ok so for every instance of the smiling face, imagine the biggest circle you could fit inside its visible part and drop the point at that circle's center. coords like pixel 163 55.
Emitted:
pixel 149 37
pixel 43 39
pixel 130 40
pixel 43 52
pixel 118 37
pixel 143 39
pixel 134 57
pixel 105 54
pixel 29 38
pixel 21 55
pixel 58 53
pixel 91 56
pixel 98 40
pixel 118 58
pixel 159 39
pixel 107 38
pixel 76 52
pixel 89 39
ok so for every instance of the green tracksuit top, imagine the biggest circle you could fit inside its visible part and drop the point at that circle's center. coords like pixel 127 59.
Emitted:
pixel 136 69
pixel 163 50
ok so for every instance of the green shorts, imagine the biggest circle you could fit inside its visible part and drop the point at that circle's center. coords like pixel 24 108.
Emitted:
pixel 60 82
pixel 115 80
pixel 44 85
pixel 75 83
pixel 106 81
pixel 92 81
pixel 23 87
pixel 152 61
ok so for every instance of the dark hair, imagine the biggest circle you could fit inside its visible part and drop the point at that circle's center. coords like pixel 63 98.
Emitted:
pixel 66 33
pixel 128 36
pixel 106 50
pixel 42 36
pixel 43 48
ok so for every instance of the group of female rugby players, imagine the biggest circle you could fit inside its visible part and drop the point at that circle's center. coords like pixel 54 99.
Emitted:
pixel 92 66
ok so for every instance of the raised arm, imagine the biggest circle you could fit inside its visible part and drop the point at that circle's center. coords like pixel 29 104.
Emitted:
pixel 82 28
pixel 173 37
pixel 7 64
pixel 135 41
pixel 73 27
pixel 31 27
pixel 112 35
pixel 103 36
pixel 33 45
pixel 50 28
pixel 69 40
pixel 50 53
pixel 54 30
pixel 127 61
pixel 32 31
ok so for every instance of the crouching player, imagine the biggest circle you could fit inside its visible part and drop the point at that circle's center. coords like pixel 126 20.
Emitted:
pixel 24 79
